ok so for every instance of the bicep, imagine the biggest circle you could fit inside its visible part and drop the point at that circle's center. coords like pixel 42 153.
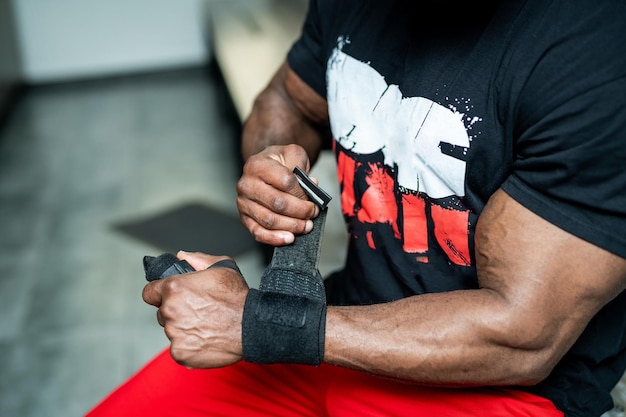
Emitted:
pixel 287 111
pixel 550 282
pixel 313 106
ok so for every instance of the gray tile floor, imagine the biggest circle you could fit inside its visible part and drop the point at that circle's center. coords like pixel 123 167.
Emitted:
pixel 74 160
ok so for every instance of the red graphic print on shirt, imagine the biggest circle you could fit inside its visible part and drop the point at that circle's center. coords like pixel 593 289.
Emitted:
pixel 401 162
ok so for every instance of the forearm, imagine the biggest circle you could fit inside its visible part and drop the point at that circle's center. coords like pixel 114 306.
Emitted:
pixel 461 338
pixel 535 299
pixel 286 112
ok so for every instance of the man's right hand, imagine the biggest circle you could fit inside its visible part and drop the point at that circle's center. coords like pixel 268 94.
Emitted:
pixel 271 204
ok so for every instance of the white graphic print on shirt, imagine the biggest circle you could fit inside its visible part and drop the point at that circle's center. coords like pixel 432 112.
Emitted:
pixel 423 146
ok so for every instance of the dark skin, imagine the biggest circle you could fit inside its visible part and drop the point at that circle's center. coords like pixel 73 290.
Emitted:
pixel 538 285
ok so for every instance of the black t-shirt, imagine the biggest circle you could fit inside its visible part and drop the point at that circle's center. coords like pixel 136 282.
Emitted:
pixel 436 105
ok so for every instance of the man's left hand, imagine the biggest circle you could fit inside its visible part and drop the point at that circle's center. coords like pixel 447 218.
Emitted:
pixel 201 312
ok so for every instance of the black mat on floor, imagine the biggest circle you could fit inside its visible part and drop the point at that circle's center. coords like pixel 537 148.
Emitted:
pixel 192 227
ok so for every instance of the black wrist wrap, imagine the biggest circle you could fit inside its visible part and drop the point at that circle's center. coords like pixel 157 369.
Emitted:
pixel 284 321
pixel 283 328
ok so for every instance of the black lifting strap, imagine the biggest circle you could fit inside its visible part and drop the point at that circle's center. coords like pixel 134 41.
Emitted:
pixel 284 320
pixel 293 269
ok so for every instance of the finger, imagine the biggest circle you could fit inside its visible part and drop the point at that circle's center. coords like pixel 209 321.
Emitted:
pixel 300 207
pixel 269 237
pixel 270 228
pixel 160 319
pixel 291 203
pixel 151 293
pixel 198 260
pixel 272 220
pixel 268 174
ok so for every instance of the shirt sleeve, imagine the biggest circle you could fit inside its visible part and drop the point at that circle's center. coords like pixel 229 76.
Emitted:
pixel 570 125
pixel 306 55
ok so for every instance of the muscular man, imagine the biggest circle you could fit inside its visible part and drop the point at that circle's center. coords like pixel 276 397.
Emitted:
pixel 480 154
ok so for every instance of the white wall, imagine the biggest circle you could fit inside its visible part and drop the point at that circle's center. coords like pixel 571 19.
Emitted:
pixel 69 39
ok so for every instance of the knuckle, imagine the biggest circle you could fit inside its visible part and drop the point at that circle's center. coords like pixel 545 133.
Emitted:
pixel 252 164
pixel 243 207
pixel 171 286
pixel 278 204
pixel 258 234
pixel 247 222
pixel 242 186
pixel 268 221
pixel 179 355
pixel 166 312
pixel 295 149
pixel 288 182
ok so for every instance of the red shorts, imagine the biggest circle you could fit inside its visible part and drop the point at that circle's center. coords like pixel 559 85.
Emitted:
pixel 163 388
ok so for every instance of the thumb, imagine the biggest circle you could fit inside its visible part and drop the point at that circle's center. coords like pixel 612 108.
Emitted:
pixel 151 293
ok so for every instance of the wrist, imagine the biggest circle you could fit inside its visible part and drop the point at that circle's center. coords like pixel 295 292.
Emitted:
pixel 283 328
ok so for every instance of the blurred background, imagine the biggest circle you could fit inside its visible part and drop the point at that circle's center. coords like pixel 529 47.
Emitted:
pixel 119 130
